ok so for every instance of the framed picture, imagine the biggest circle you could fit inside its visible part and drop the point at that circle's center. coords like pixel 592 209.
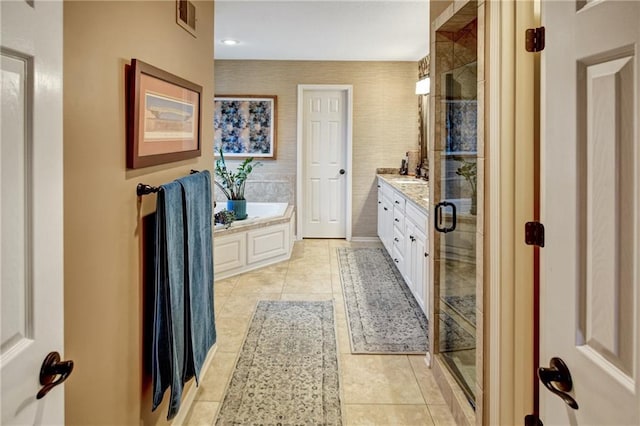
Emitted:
pixel 163 117
pixel 245 126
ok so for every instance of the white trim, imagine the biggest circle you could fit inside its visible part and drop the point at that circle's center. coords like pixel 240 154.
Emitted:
pixel 366 240
pixel 495 235
pixel 190 395
pixel 349 160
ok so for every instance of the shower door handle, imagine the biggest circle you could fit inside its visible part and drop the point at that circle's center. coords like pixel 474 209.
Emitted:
pixel 438 217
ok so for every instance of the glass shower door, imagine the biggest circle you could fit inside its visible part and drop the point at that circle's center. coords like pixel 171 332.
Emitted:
pixel 455 174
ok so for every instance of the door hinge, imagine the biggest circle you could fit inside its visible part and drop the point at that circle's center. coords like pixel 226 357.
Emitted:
pixel 532 420
pixel 534 39
pixel 534 234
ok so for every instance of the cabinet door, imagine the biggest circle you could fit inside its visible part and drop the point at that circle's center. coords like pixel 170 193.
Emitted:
pixel 380 213
pixel 409 274
pixel 387 224
pixel 420 267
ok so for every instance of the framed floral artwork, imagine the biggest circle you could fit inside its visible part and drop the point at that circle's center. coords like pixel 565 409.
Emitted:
pixel 245 126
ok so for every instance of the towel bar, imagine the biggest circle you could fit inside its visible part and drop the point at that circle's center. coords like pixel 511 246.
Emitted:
pixel 144 189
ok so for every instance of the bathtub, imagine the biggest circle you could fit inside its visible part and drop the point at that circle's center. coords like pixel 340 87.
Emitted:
pixel 265 237
pixel 256 212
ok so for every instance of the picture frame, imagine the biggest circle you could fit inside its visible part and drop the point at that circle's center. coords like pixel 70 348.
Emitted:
pixel 245 126
pixel 163 116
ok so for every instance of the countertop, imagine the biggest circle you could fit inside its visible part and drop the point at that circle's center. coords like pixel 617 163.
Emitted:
pixel 415 189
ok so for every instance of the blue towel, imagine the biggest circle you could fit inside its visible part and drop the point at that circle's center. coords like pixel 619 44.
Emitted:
pixel 168 358
pixel 184 327
pixel 200 319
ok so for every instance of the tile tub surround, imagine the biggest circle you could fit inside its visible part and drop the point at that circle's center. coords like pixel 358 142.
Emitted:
pixel 376 389
pixel 267 188
pixel 417 191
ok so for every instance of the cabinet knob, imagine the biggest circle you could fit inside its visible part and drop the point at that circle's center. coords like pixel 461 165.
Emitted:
pixel 426 255
pixel 396 260
pixel 396 219
pixel 396 239
pixel 385 209
pixel 397 202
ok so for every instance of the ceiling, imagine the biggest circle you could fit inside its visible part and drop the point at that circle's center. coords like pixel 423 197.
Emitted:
pixel 344 30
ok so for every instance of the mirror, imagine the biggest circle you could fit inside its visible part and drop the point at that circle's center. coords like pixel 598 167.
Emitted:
pixel 423 105
pixel 423 87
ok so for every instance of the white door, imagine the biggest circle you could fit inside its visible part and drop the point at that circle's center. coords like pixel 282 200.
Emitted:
pixel 590 265
pixel 31 208
pixel 324 146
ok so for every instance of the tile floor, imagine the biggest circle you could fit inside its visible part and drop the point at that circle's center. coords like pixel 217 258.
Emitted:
pixel 376 389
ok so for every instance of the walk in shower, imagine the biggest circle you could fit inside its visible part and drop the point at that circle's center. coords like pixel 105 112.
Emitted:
pixel 455 174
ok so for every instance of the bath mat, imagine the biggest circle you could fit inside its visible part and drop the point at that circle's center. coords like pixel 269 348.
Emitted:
pixel 382 314
pixel 464 306
pixel 287 370
pixel 454 337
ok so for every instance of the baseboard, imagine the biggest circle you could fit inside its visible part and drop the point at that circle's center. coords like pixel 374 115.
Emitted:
pixel 190 395
pixel 365 239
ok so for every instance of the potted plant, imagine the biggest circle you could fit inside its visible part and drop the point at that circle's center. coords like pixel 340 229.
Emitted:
pixel 232 184
pixel 224 217
pixel 469 171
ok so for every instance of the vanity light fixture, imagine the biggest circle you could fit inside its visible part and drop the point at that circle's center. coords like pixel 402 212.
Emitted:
pixel 423 86
pixel 230 42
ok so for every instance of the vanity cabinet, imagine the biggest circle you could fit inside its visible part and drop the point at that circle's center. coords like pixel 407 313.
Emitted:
pixel 402 228
pixel 417 263
pixel 398 253
pixel 385 215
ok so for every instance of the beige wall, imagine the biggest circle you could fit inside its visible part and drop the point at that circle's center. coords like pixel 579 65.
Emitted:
pixel 102 236
pixel 385 116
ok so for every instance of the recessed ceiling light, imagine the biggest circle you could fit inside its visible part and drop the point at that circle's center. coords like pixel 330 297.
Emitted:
pixel 230 42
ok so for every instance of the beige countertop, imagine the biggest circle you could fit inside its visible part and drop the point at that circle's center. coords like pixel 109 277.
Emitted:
pixel 416 190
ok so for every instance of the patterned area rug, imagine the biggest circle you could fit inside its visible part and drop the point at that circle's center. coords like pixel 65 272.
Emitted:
pixel 463 305
pixel 383 315
pixel 287 371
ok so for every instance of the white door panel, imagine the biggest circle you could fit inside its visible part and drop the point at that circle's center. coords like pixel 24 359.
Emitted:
pixel 324 149
pixel 30 208
pixel 589 205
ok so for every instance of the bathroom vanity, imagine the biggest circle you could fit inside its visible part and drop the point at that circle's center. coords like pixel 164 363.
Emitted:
pixel 403 214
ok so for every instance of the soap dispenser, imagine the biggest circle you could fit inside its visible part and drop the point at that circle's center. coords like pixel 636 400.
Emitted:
pixel 404 167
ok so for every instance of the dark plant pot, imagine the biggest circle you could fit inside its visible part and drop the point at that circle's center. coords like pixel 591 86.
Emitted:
pixel 239 207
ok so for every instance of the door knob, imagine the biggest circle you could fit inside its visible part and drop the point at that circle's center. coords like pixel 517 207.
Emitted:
pixel 51 368
pixel 342 171
pixel 557 379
